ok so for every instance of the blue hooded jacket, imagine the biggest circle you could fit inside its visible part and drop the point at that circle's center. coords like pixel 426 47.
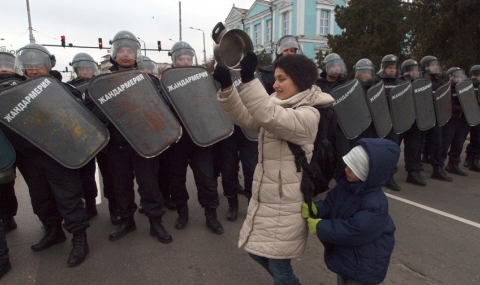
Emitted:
pixel 356 229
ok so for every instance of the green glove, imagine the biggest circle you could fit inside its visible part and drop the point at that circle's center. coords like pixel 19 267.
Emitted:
pixel 312 225
pixel 306 213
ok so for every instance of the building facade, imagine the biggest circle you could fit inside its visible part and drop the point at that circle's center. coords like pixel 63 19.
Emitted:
pixel 267 21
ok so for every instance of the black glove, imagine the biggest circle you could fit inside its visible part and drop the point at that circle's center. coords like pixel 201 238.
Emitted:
pixel 249 64
pixel 222 76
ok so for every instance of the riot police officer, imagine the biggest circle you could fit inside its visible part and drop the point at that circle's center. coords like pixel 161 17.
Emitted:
pixel 125 163
pixel 8 199
pixel 413 137
pixel 472 160
pixel 84 69
pixel 431 69
pixel 334 74
pixel 5 265
pixel 147 65
pixel 286 45
pixel 185 152
pixel 455 131
pixel 55 191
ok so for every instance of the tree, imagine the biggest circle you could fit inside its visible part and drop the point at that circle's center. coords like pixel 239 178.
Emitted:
pixel 447 29
pixel 372 29
pixel 264 58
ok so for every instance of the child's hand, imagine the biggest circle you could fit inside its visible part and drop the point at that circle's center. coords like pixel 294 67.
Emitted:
pixel 306 212
pixel 312 225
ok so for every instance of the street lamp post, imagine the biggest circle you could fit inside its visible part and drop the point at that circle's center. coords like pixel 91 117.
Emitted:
pixel 204 51
pixel 172 40
pixel 144 47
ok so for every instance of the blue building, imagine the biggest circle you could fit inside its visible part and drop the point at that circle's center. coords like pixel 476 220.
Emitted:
pixel 266 21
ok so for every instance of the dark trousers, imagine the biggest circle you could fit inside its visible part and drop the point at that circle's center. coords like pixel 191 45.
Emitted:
pixel 413 141
pixel 455 133
pixel 473 148
pixel 200 159
pixel 231 150
pixel 342 146
pixel 3 245
pixel 55 192
pixel 89 185
pixel 164 174
pixel 126 164
pixel 8 200
pixel 433 145
pixel 107 178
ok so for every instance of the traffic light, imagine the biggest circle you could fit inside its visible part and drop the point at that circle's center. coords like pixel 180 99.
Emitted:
pixel 100 43
pixel 159 43
pixel 63 40
pixel 66 69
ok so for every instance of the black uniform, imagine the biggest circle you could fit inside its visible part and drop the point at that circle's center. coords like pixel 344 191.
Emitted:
pixel 473 148
pixel 4 260
pixel 267 76
pixel 338 140
pixel 433 137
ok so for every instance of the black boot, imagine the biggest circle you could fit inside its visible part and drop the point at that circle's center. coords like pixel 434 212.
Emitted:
pixel 9 224
pixel 5 268
pixel 127 225
pixel 468 162
pixel 392 185
pixel 157 230
pixel 439 174
pixel 232 212
pixel 416 178
pixel 181 222
pixel 91 208
pixel 53 235
pixel 455 169
pixel 475 165
pixel 168 203
pixel 140 209
pixel 79 250
pixel 112 208
pixel 212 222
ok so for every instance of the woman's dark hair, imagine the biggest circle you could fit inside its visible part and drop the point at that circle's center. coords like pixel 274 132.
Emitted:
pixel 300 68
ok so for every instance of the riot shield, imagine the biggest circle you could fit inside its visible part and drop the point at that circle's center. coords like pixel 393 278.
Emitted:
pixel 46 114
pixel 7 153
pixel 468 100
pixel 423 102
pixel 132 103
pixel 192 92
pixel 237 82
pixel 82 87
pixel 351 108
pixel 9 82
pixel 402 108
pixel 378 106
pixel 442 99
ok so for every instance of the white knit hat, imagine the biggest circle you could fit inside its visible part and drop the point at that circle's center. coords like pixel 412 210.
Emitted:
pixel 357 160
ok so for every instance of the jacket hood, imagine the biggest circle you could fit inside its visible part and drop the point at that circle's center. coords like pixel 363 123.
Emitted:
pixel 383 157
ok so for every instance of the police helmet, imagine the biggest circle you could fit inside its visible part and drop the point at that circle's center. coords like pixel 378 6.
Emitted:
pixel 387 61
pixel 456 74
pixel 287 42
pixel 125 39
pixel 148 65
pixel 84 61
pixel 431 65
pixel 180 49
pixel 410 69
pixel 334 65
pixel 474 71
pixel 364 71
pixel 34 56
pixel 7 64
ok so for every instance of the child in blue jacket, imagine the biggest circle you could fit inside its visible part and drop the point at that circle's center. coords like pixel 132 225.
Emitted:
pixel 353 221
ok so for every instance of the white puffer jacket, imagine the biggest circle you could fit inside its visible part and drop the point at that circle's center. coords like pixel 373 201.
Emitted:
pixel 274 227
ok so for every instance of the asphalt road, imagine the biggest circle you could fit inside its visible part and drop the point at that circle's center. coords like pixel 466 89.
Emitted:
pixel 437 242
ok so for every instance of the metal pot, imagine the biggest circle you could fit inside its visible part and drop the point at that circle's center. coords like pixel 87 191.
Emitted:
pixel 231 46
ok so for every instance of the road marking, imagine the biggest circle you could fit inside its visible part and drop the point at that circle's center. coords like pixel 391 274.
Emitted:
pixel 468 222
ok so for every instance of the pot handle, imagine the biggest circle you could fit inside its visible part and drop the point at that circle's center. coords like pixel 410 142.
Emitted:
pixel 217 30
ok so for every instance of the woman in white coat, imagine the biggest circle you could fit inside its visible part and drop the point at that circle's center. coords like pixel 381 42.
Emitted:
pixel 274 231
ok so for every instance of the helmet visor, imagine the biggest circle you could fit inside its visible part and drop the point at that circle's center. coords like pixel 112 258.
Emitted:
pixel 184 57
pixel 390 69
pixel 457 76
pixel 7 64
pixel 336 68
pixel 148 66
pixel 365 76
pixel 411 72
pixel 85 69
pixel 29 59
pixel 125 52
pixel 433 67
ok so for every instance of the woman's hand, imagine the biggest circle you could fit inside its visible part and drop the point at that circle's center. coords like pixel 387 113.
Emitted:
pixel 249 64
pixel 222 76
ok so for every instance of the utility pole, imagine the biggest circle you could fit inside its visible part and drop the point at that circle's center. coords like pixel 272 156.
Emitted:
pixel 32 39
pixel 180 18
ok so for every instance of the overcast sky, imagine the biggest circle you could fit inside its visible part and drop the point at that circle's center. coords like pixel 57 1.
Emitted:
pixel 83 22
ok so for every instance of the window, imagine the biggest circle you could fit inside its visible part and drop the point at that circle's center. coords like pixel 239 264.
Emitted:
pixel 269 31
pixel 286 24
pixel 324 22
pixel 258 34
pixel 247 30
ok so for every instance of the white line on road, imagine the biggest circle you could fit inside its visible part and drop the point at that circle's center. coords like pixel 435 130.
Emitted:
pixel 468 222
